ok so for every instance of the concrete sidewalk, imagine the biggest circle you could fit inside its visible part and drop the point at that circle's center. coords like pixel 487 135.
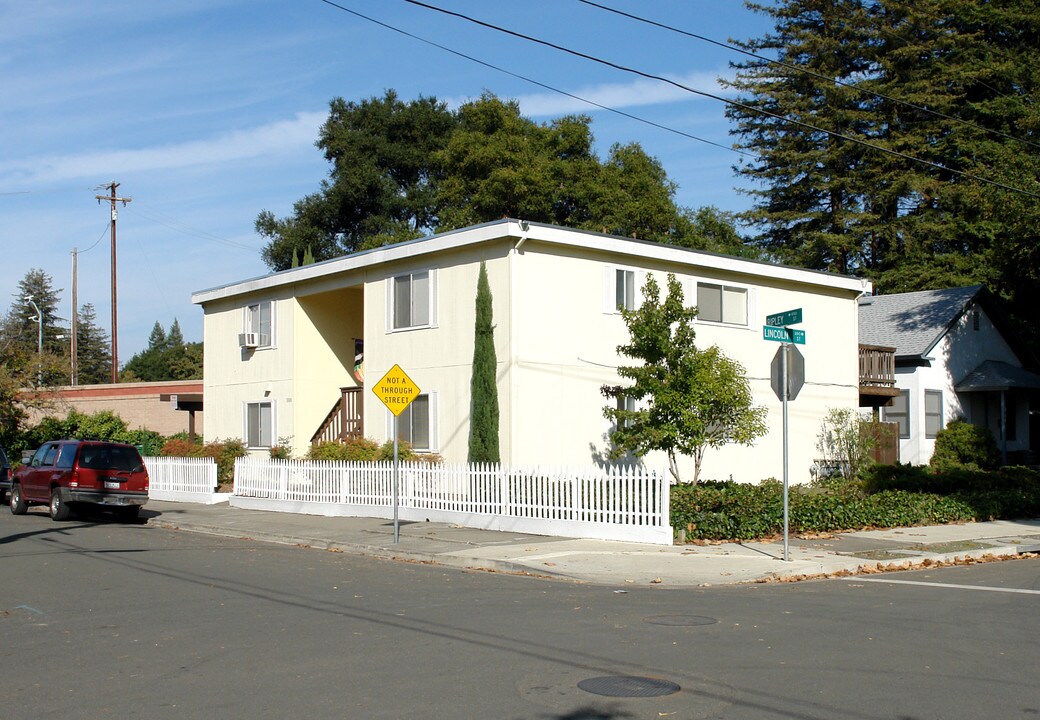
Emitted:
pixel 604 562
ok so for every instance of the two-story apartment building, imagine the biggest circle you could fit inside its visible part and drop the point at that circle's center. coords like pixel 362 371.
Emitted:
pixel 291 356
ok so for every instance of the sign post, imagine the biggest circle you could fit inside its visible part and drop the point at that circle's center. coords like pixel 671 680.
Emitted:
pixel 396 390
pixel 787 377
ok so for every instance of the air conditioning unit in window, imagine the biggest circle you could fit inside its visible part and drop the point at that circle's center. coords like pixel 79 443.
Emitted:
pixel 249 340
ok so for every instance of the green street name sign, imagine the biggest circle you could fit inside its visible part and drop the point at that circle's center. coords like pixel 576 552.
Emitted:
pixel 791 317
pixel 783 334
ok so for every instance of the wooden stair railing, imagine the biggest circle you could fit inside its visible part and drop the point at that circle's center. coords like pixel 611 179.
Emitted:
pixel 345 419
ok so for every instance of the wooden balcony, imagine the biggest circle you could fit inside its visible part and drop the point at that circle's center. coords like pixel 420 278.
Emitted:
pixel 345 420
pixel 877 375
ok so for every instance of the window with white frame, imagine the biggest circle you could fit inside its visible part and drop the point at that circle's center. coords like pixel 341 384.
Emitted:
pixel 259 421
pixel 722 303
pixel 625 404
pixel 621 288
pixel 258 324
pixel 411 300
pixel 899 412
pixel 625 289
pixel 933 414
pixel 417 423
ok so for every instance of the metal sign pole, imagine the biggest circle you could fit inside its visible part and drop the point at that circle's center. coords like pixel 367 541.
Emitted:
pixel 397 526
pixel 786 392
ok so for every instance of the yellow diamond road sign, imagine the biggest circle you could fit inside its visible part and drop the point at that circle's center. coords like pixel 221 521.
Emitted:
pixel 396 390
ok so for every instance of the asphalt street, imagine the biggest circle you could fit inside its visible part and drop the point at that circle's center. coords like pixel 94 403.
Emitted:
pixel 101 619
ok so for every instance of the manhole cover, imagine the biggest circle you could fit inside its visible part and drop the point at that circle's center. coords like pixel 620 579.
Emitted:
pixel 628 686
pixel 681 620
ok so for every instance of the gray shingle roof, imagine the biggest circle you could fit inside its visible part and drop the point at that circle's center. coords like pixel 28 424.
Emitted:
pixel 912 322
pixel 993 375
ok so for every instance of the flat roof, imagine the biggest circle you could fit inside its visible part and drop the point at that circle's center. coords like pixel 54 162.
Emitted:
pixel 518 230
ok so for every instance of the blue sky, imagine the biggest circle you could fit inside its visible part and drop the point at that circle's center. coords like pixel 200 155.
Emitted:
pixel 207 113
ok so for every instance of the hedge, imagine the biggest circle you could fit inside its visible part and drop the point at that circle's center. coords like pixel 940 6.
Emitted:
pixel 890 496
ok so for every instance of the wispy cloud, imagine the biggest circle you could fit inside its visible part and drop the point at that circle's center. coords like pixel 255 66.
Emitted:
pixel 273 139
pixel 637 93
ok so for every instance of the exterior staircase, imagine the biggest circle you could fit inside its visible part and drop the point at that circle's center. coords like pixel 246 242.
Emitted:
pixel 345 419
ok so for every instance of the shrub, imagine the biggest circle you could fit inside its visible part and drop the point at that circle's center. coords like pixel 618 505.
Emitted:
pixel 368 450
pixel 352 449
pixel 225 453
pixel 180 447
pixel 844 443
pixel 890 496
pixel 961 443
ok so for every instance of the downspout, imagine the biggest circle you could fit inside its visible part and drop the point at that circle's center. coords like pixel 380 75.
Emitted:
pixel 514 357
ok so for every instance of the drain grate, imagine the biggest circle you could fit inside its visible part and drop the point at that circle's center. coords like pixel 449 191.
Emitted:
pixel 628 686
pixel 680 620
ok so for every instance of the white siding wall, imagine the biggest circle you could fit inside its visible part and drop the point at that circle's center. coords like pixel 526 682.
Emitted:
pixel 959 352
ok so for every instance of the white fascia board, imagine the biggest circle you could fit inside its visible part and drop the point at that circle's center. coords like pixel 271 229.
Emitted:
pixel 519 230
pixel 696 258
pixel 357 261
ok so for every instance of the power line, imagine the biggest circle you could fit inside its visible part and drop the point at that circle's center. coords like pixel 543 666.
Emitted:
pixel 173 224
pixel 535 82
pixel 807 71
pixel 734 103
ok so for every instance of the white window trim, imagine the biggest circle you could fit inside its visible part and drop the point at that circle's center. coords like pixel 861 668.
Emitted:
pixel 247 329
pixel 432 286
pixel 690 294
pixel 610 306
pixel 245 424
pixel 434 425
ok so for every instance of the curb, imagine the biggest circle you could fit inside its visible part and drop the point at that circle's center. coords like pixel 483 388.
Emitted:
pixel 378 552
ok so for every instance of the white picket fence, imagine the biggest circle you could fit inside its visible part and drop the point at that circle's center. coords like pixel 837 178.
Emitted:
pixel 183 479
pixel 616 504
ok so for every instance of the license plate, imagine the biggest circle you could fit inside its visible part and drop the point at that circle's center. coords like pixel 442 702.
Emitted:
pixel 112 485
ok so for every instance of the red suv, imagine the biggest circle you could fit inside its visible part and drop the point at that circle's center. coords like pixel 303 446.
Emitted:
pixel 65 473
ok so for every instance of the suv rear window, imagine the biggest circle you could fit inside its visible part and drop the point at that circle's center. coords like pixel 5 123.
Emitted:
pixel 109 457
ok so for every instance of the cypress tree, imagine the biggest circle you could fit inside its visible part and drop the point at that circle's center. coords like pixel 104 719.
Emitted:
pixel 483 427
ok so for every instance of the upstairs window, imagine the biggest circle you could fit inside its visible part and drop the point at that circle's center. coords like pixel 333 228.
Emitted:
pixel 621 289
pixel 258 324
pixel 625 289
pixel 722 304
pixel 410 301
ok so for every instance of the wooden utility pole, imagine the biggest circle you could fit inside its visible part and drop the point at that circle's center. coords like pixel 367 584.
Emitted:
pixel 111 198
pixel 75 315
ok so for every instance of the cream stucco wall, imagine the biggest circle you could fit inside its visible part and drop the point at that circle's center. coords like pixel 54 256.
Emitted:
pixel 567 350
pixel 438 358
pixel 234 376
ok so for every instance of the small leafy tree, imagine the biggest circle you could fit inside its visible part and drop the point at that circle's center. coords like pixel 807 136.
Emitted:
pixel 686 399
pixel 484 414
pixel 844 443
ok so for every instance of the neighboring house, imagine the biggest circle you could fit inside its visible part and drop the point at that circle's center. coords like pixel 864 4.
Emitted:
pixel 168 407
pixel 955 356
pixel 282 351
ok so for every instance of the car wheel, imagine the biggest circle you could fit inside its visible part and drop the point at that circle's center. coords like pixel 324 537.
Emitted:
pixel 17 501
pixel 3 496
pixel 59 508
